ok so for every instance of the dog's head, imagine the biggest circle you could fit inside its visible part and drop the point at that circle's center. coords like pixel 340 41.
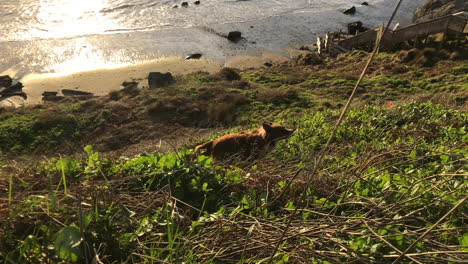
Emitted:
pixel 276 132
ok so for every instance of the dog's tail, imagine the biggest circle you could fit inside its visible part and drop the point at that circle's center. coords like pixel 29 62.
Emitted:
pixel 208 146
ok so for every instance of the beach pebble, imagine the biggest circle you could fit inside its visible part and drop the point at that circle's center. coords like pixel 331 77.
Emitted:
pixel 176 6
pixel 184 4
pixel 197 2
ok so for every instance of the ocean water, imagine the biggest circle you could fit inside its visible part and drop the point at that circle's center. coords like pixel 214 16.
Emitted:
pixel 63 36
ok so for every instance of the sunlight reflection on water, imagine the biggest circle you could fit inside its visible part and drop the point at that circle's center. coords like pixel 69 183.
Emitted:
pixel 63 36
pixel 62 18
pixel 80 54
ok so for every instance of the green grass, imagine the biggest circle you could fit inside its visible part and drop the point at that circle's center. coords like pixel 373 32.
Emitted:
pixel 394 169
pixel 392 172
pixel 204 100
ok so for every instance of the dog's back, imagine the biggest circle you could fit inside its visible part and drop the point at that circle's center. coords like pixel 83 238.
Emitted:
pixel 246 145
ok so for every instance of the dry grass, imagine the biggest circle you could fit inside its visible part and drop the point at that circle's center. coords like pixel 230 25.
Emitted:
pixel 228 74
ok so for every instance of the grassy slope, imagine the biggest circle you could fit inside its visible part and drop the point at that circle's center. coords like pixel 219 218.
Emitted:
pixel 392 171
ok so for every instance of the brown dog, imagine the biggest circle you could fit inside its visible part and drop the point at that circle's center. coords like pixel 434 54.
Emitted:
pixel 246 145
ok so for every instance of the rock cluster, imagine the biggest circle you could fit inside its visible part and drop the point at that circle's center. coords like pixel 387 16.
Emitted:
pixel 186 4
pixel 11 92
pixel 53 97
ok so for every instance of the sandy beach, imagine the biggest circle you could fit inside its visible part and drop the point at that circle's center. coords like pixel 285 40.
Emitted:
pixel 99 63
pixel 102 81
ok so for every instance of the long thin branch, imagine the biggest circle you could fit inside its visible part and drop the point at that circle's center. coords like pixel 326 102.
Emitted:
pixel 430 229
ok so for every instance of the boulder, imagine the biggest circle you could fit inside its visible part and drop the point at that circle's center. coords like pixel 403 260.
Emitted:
pixel 194 56
pixel 234 36
pixel 5 81
pixel 350 11
pixel 365 4
pixel 11 96
pixel 13 101
pixel 69 92
pixel 184 4
pixel 197 2
pixel 356 27
pixel 15 88
pixel 158 79
pixel 20 94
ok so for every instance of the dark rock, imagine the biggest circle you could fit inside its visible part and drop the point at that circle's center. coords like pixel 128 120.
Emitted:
pixel 184 4
pixel 15 88
pixel 356 27
pixel 68 92
pixel 130 84
pixel 52 98
pixel 176 6
pixel 350 11
pixel 46 94
pixel 21 94
pixel 234 36
pixel 158 79
pixel 438 8
pixel 365 3
pixel 268 64
pixel 197 2
pixel 194 56
pixel 5 81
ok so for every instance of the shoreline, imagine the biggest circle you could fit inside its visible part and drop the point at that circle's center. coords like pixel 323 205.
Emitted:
pixel 100 63
pixel 102 81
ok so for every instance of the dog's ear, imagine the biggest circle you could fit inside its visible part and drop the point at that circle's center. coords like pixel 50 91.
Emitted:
pixel 267 126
